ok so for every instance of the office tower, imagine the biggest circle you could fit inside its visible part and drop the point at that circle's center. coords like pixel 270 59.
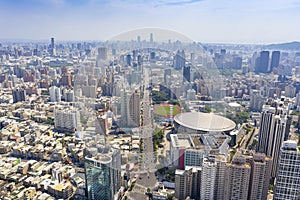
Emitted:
pixel 260 176
pixel 192 60
pixel 66 119
pixel 287 185
pixel 275 59
pixel 152 55
pixel 183 183
pixel 103 173
pixel 237 179
pixel 179 61
pixel 55 95
pixel 139 60
pixel 237 62
pixel 52 47
pixel 102 53
pixel 138 38
pixel 52 43
pixel 167 73
pixel 19 94
pixel 274 129
pixel 151 38
pixel 128 60
pixel 223 52
pixel 187 73
pixel 262 62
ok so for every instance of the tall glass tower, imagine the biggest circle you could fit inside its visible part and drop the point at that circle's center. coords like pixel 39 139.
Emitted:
pixel 103 173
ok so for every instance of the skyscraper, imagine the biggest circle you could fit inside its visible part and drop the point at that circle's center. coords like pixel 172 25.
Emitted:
pixel 208 177
pixel 55 94
pixel 274 128
pixel 262 62
pixel 179 61
pixel 168 72
pixel 52 47
pixel 134 108
pixel 260 176
pixel 102 53
pixel 237 179
pixel 275 59
pixel 151 38
pixel 187 73
pixel 130 108
pixel 19 95
pixel 52 43
pixel 288 174
pixel 183 183
pixel 103 173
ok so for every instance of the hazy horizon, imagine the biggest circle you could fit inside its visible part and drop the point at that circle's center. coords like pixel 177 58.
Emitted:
pixel 205 21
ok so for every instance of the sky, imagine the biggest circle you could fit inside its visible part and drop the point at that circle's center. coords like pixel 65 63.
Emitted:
pixel 207 21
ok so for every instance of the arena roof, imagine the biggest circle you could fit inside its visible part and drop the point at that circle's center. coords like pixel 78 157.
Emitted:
pixel 207 122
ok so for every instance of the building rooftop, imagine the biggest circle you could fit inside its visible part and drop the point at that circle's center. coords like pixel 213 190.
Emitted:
pixel 208 122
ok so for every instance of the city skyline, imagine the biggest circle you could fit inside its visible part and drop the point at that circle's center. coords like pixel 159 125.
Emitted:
pixel 200 20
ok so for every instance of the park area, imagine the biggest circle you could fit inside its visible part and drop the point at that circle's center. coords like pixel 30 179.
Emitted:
pixel 163 110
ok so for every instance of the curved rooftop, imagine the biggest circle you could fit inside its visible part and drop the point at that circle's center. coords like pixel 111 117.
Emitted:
pixel 207 122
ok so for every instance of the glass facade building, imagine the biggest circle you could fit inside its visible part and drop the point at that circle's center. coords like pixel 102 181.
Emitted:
pixel 103 174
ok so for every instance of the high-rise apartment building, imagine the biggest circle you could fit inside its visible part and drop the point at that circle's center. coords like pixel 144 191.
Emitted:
pixel 274 129
pixel 66 119
pixel 260 176
pixel 134 108
pixel 208 179
pixel 103 174
pixel 287 185
pixel 237 178
pixel 55 94
pixel 247 176
pixel 130 108
pixel 69 96
pixel 183 183
pixel 256 100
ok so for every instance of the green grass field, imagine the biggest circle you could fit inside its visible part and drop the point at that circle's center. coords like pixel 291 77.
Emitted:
pixel 163 110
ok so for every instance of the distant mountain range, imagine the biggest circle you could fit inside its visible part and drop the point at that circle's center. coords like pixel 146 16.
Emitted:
pixel 284 46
